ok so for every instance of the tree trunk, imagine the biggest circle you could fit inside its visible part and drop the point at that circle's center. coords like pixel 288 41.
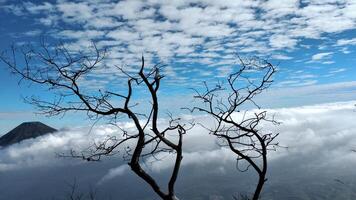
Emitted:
pixel 258 190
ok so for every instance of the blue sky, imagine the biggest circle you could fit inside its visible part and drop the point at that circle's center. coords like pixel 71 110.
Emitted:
pixel 313 44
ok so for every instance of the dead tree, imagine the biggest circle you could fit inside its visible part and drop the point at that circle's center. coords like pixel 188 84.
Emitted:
pixel 63 72
pixel 236 129
pixel 75 194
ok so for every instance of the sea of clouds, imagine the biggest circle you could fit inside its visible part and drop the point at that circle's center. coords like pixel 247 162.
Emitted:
pixel 315 162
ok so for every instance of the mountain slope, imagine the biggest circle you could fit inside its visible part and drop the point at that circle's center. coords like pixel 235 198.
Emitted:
pixel 25 131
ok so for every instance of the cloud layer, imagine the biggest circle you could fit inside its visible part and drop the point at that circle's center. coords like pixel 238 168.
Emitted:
pixel 319 140
pixel 194 32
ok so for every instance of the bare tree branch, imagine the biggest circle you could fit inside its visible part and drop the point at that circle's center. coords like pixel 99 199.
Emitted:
pixel 62 71
pixel 241 135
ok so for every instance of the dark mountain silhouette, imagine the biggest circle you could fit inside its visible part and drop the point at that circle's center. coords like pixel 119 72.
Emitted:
pixel 25 131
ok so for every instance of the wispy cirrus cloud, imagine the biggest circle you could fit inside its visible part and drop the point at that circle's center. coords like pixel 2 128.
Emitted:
pixel 320 56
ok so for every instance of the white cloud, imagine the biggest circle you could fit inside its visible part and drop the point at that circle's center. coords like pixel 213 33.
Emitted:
pixel 39 8
pixel 75 12
pixel 277 9
pixel 42 151
pixel 320 56
pixel 14 9
pixel 281 57
pixel 306 131
pixel 319 136
pixel 303 76
pixel 282 41
pixel 298 83
pixel 290 96
pixel 337 70
pixel 129 10
pixel 179 29
pixel 343 42
pixel 118 171
pixel 296 121
pixel 33 33
pixel 310 129
pixel 88 34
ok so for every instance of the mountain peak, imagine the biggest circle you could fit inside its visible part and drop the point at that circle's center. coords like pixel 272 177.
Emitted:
pixel 33 122
pixel 25 131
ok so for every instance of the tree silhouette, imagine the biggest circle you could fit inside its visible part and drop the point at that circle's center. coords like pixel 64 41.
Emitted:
pixel 241 132
pixel 63 72
pixel 74 193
